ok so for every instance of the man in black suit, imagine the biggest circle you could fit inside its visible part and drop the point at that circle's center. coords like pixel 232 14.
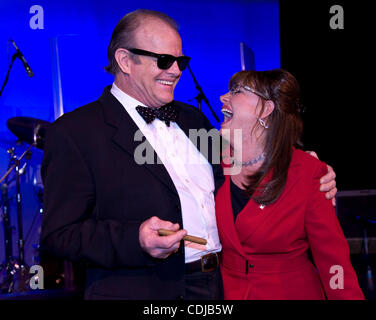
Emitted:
pixel 103 207
pixel 104 204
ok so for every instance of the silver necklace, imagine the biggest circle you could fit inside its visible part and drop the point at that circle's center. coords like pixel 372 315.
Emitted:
pixel 253 161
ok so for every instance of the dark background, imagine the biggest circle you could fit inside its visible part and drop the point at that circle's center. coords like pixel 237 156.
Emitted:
pixel 335 69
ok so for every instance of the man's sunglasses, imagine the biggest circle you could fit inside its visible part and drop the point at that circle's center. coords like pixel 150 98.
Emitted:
pixel 164 61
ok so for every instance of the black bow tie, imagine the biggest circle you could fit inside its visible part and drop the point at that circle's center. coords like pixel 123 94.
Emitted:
pixel 165 113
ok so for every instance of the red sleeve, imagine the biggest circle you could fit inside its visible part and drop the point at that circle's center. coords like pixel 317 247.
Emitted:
pixel 329 246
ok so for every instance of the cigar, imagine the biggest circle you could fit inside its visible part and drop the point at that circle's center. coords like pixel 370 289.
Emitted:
pixel 164 232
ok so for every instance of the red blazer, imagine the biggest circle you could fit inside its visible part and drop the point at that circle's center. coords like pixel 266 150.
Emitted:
pixel 265 250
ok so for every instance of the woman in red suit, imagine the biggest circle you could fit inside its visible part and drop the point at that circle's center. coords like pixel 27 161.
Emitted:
pixel 271 214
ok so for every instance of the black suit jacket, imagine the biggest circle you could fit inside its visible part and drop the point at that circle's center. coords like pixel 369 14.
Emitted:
pixel 96 196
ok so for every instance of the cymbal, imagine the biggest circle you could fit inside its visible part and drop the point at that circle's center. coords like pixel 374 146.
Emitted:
pixel 28 129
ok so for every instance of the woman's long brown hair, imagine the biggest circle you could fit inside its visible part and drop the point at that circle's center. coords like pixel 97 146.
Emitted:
pixel 284 132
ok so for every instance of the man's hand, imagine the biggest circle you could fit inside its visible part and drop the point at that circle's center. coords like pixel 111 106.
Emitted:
pixel 160 246
pixel 328 182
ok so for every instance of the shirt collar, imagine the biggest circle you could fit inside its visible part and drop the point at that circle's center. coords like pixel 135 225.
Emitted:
pixel 129 103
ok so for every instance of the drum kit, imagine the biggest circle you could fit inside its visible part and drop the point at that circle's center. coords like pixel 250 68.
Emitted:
pixel 14 270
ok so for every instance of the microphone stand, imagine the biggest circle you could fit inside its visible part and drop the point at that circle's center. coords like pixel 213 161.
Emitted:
pixel 6 214
pixel 16 163
pixel 19 55
pixel 17 269
pixel 201 96
pixel 6 223
pixel 6 266
pixel 7 76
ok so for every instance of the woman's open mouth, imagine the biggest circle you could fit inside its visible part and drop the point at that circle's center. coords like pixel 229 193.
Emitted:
pixel 227 113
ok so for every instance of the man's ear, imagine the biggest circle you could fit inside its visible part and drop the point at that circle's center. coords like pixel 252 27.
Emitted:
pixel 268 108
pixel 123 58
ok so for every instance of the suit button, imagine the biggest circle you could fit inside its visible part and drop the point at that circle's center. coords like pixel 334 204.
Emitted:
pixel 251 265
pixel 178 208
pixel 180 297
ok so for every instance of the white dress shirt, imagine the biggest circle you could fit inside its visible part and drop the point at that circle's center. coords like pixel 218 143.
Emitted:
pixel 190 172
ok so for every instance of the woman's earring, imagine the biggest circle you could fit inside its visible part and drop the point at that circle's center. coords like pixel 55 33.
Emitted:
pixel 262 123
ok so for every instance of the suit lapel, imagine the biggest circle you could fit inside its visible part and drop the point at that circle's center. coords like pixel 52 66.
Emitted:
pixel 254 215
pixel 125 129
pixel 182 121
pixel 225 215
